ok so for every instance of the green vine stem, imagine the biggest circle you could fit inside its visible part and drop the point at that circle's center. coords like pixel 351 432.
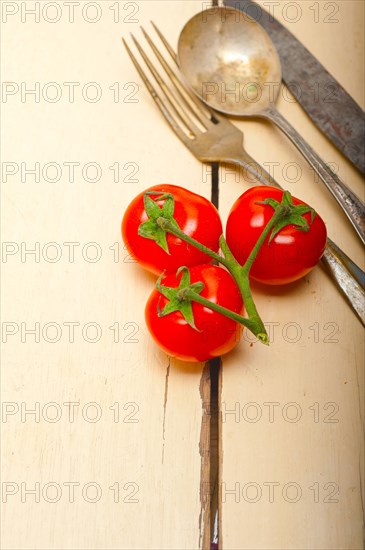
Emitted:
pixel 188 294
pixel 166 225
pixel 284 214
pixel 238 272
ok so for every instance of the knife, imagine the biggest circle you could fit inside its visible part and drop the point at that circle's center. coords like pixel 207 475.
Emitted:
pixel 325 101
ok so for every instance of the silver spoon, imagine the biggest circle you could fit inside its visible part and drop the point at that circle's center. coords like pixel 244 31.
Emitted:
pixel 232 65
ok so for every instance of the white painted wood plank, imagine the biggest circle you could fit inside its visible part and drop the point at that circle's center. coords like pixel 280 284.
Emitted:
pixel 115 460
pixel 293 449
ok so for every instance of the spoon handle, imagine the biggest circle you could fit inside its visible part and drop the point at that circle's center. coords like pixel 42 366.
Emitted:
pixel 352 205
pixel 346 274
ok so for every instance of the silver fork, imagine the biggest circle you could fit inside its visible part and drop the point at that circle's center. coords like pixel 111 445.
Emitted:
pixel 213 138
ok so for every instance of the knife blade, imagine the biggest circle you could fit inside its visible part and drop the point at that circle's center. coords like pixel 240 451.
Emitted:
pixel 322 97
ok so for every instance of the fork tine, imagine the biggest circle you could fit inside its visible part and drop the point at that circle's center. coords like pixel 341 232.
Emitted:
pixel 159 102
pixel 186 120
pixel 150 88
pixel 177 83
pixel 165 43
pixel 199 104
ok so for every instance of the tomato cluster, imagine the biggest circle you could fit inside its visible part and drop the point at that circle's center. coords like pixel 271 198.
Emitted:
pixel 191 331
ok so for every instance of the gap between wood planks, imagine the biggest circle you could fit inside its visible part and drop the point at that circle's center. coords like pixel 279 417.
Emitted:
pixel 210 445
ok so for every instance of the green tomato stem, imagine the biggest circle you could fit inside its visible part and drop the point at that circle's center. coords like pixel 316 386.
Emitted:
pixel 239 273
pixel 170 228
pixel 281 212
pixel 242 280
pixel 251 324
pixel 254 322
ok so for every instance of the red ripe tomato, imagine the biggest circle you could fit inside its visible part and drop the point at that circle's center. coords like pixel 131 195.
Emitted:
pixel 216 333
pixel 195 215
pixel 291 254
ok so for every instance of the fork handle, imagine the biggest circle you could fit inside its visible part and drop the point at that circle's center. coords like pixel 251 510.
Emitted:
pixel 347 275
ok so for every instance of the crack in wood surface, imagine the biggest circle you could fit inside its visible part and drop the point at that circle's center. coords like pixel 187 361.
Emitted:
pixel 164 407
pixel 210 452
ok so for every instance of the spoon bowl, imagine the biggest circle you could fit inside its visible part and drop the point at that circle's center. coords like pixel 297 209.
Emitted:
pixel 230 61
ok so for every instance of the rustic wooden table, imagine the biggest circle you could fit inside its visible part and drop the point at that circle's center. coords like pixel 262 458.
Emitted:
pixel 101 430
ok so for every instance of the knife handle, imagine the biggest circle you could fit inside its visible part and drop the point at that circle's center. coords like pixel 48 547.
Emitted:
pixel 347 275
pixel 351 204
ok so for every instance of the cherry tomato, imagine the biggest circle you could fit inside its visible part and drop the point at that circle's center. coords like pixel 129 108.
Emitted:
pixel 216 333
pixel 291 254
pixel 195 215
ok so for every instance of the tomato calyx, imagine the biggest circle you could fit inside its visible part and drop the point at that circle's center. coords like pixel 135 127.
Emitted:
pixel 161 222
pixel 178 297
pixel 291 214
pixel 151 229
pixel 181 298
